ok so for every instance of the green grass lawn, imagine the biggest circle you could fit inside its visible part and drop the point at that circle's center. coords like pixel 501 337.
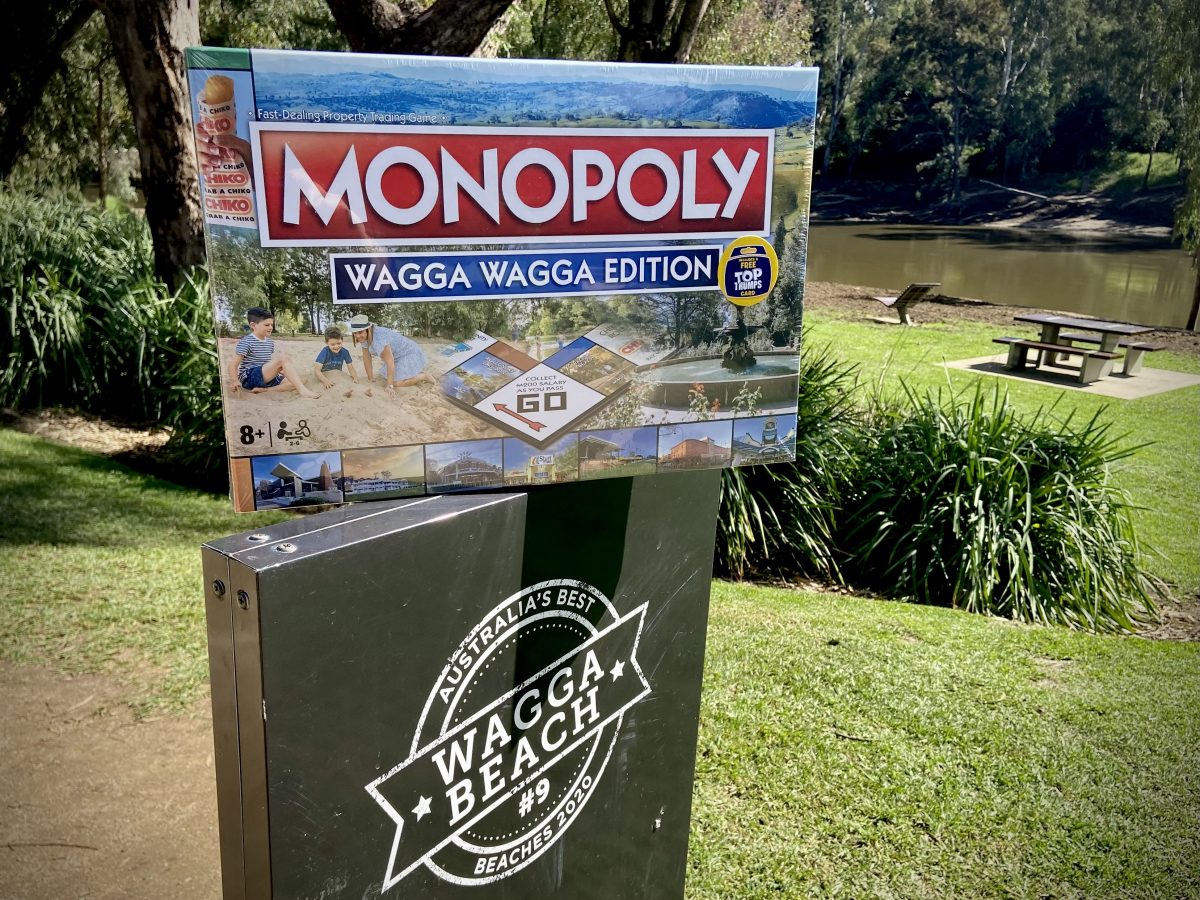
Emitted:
pixel 860 748
pixel 848 747
pixel 1160 478
pixel 100 569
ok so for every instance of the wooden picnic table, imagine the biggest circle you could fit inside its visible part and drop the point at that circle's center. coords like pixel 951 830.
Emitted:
pixel 1110 332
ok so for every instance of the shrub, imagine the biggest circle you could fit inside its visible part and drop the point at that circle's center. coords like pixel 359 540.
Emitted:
pixel 782 518
pixel 965 503
pixel 86 324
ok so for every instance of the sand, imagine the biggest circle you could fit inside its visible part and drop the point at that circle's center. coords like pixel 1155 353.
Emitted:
pixel 389 418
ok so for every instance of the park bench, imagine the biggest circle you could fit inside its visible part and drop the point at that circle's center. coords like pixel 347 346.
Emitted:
pixel 908 298
pixel 1135 351
pixel 1096 363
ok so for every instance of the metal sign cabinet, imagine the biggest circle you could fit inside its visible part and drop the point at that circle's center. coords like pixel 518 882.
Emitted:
pixel 485 696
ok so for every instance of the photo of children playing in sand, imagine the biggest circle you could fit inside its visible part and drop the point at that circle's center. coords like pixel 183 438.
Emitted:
pixel 380 393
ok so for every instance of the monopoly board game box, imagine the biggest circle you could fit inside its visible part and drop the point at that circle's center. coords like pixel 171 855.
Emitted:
pixel 433 275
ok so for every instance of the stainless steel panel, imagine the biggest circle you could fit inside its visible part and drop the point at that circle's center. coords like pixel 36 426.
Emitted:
pixel 251 711
pixel 219 604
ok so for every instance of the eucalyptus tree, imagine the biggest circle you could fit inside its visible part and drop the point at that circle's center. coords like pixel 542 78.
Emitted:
pixel 1179 74
pixel 948 52
pixel 1036 78
pixel 851 41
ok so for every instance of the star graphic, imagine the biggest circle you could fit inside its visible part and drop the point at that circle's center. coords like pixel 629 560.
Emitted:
pixel 423 808
pixel 618 670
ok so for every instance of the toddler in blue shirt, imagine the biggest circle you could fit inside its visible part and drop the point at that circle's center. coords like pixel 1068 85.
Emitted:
pixel 331 359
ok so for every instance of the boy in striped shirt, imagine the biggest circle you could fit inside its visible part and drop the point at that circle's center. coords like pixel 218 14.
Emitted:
pixel 257 365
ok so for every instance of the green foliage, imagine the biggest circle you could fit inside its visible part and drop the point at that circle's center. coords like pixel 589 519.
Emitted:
pixel 783 518
pixel 81 133
pixel 952 500
pixel 963 502
pixel 922 90
pixel 1180 67
pixel 192 408
pixel 752 33
pixel 295 24
pixel 85 324
pixel 555 29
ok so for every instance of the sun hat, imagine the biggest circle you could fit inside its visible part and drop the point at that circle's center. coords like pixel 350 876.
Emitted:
pixel 360 323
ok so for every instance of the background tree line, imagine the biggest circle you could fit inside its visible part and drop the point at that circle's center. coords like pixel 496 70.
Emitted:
pixel 924 92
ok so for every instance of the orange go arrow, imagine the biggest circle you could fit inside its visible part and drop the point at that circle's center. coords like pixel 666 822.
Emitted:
pixel 536 426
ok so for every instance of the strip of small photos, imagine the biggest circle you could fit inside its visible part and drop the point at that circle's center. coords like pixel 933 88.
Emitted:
pixel 384 473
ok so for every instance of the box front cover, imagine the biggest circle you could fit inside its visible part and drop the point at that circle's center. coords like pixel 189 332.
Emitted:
pixel 434 275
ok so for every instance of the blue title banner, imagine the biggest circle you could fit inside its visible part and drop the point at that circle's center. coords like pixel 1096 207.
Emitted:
pixel 408 277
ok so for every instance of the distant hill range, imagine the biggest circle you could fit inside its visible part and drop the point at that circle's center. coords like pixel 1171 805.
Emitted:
pixel 472 103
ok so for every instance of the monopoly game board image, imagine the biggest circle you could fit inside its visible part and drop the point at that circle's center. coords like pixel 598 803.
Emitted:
pixel 433 275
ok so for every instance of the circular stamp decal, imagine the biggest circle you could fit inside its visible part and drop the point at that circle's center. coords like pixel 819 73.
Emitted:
pixel 748 270
pixel 514 736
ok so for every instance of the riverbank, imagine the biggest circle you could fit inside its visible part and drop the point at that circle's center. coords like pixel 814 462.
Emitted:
pixel 1146 213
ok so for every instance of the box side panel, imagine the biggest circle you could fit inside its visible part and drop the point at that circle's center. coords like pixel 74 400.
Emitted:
pixel 669 561
pixel 252 738
pixel 219 604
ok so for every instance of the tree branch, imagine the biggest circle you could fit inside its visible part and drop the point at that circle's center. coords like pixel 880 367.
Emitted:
pixel 620 27
pixel 686 30
pixel 34 55
pixel 447 28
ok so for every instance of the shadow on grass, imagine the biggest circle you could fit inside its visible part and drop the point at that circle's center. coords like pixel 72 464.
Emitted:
pixel 52 494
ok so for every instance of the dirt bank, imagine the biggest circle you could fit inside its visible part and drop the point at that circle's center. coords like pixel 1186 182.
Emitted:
pixel 1150 213
pixel 97 804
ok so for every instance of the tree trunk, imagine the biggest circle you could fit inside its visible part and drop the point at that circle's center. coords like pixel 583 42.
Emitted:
pixel 835 100
pixel 33 53
pixel 447 28
pixel 657 31
pixel 1191 322
pixel 149 37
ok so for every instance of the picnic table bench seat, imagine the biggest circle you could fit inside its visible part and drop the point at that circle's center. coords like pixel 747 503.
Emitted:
pixel 1096 363
pixel 1135 350
pixel 908 298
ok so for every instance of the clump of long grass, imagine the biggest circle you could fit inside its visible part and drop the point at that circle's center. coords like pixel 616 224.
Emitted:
pixel 964 502
pixel 84 323
pixel 783 518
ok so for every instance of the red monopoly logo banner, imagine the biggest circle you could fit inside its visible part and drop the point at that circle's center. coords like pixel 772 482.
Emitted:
pixel 341 185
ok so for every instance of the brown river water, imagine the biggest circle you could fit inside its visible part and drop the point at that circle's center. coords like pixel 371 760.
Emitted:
pixel 1124 278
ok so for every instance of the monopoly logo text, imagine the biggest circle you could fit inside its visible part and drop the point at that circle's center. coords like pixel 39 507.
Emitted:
pixel 357 185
